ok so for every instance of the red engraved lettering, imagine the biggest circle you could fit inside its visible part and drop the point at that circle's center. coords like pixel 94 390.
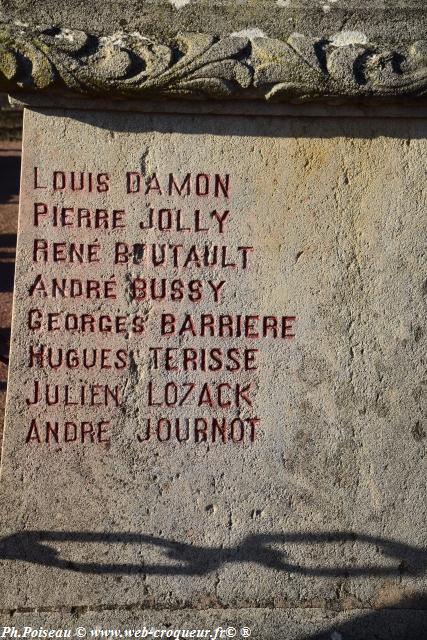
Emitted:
pixel 103 180
pixel 33 433
pixel 222 184
pixel 59 180
pixel 179 435
pixel 36 180
pixel 216 288
pixel 167 324
pixel 220 429
pixel 133 182
pixel 87 431
pixel 242 395
pixel 224 404
pixel 186 185
pixel 70 432
pixel 40 209
pixel 220 219
pixel 34 319
pixel 163 437
pixel 205 397
pixel 287 322
pixel 202 184
pixel 254 423
pixel 153 185
pixel 237 430
pixel 200 430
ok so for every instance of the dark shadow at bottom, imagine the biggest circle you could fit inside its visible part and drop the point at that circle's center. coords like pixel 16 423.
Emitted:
pixel 407 620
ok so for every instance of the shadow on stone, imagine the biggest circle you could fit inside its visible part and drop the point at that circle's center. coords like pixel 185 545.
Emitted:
pixel 193 560
pixel 404 620
pixel 267 126
pixel 407 621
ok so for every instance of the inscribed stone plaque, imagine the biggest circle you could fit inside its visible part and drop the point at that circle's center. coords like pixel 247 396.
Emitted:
pixel 217 371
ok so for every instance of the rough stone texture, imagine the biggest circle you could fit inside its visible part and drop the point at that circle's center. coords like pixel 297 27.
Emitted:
pixel 244 64
pixel 326 509
pixel 395 21
pixel 264 624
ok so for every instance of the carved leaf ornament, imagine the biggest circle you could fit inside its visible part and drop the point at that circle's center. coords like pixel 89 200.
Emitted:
pixel 201 65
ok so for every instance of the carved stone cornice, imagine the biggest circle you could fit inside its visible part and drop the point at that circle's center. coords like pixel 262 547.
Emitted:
pixel 196 65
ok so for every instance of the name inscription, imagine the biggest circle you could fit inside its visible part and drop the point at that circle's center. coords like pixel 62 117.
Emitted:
pixel 153 275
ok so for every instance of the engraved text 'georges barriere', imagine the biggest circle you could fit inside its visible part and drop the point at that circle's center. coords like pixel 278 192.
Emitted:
pixel 177 280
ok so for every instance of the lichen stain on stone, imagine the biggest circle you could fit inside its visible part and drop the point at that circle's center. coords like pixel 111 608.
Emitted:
pixel 178 4
pixel 65 34
pixel 389 594
pixel 8 64
pixel 345 38
pixel 250 32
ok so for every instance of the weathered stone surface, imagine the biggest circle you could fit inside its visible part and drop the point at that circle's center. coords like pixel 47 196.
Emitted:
pixel 383 21
pixel 265 624
pixel 326 506
pixel 344 65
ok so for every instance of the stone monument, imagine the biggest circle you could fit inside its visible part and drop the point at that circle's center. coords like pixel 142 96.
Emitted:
pixel 215 403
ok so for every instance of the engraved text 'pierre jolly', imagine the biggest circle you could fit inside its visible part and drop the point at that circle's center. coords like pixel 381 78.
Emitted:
pixel 89 281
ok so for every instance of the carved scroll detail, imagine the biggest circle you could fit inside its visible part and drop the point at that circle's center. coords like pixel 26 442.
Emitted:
pixel 201 65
